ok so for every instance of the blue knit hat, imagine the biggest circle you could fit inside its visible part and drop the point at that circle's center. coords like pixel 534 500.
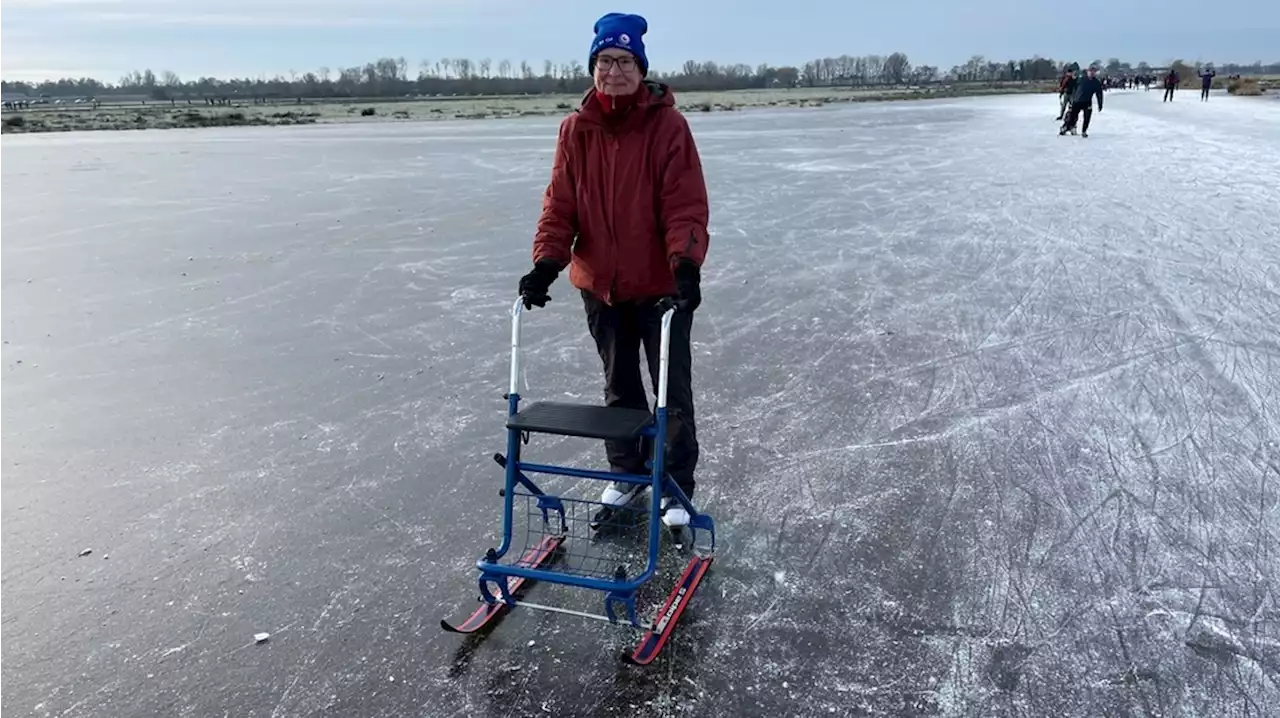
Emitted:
pixel 622 31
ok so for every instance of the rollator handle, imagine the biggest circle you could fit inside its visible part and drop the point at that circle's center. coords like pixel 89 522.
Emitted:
pixel 666 305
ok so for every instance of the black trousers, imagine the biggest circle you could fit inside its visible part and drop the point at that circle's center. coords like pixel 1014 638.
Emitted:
pixel 620 332
pixel 1168 94
pixel 1204 93
pixel 1074 113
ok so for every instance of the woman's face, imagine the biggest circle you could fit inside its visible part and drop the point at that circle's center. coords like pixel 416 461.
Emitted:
pixel 617 72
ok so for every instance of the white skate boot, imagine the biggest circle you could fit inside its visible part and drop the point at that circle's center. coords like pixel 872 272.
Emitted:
pixel 676 519
pixel 673 514
pixel 613 499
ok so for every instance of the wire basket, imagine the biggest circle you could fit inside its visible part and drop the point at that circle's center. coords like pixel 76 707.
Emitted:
pixel 615 550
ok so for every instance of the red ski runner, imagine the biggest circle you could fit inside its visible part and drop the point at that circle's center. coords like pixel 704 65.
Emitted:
pixel 533 558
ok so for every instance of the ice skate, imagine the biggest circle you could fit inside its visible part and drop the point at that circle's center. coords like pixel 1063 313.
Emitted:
pixel 676 519
pixel 613 499
pixel 673 514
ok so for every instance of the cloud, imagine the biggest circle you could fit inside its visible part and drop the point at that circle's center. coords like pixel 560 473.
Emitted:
pixel 40 74
pixel 41 63
pixel 58 4
pixel 256 18
pixel 54 38
pixel 299 13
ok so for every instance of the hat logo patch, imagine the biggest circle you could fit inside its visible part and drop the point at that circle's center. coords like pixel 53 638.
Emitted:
pixel 624 38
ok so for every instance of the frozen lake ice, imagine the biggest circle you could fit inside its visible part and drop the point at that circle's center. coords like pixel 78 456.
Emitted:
pixel 990 418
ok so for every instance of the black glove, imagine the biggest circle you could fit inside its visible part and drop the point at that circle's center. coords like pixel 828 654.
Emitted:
pixel 688 286
pixel 534 285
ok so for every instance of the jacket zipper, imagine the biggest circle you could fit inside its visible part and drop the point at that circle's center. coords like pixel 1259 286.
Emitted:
pixel 613 193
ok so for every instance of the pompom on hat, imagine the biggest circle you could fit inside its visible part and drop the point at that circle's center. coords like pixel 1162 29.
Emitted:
pixel 623 31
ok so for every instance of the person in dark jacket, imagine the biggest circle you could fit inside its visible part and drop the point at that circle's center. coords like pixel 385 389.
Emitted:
pixel 626 211
pixel 1066 88
pixel 1082 101
pixel 1170 84
pixel 1206 83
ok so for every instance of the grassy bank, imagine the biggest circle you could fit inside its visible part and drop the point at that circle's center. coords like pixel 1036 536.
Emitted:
pixel 1252 86
pixel 164 115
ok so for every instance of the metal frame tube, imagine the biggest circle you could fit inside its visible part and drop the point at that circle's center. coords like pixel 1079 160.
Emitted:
pixel 514 385
pixel 513 437
pixel 585 473
pixel 492 570
pixel 659 442
pixel 643 625
pixel 515 466
pixel 664 361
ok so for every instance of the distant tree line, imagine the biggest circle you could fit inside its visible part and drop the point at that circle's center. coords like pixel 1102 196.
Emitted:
pixel 390 77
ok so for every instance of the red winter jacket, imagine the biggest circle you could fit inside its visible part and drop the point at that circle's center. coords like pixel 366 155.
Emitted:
pixel 626 200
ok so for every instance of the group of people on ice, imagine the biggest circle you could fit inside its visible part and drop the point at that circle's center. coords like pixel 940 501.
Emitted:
pixel 1076 94
pixel 1128 82
pixel 1075 97
pixel 1172 79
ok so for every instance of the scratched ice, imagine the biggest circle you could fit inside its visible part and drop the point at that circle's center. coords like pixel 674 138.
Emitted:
pixel 989 418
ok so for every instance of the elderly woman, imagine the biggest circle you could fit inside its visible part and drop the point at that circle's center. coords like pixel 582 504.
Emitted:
pixel 626 211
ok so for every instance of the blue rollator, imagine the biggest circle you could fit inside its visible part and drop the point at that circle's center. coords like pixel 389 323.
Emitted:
pixel 555 525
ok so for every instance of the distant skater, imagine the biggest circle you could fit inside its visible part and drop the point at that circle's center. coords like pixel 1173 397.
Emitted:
pixel 1206 82
pixel 1170 84
pixel 1082 101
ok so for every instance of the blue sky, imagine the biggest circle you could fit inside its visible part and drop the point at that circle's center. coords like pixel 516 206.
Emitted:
pixel 107 38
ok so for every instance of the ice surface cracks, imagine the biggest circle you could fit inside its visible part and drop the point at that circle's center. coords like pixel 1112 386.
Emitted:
pixel 988 416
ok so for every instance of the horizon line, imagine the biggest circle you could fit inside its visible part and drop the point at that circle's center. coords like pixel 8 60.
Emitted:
pixel 47 76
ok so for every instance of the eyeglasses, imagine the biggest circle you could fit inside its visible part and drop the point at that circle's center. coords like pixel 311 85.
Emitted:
pixel 606 63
